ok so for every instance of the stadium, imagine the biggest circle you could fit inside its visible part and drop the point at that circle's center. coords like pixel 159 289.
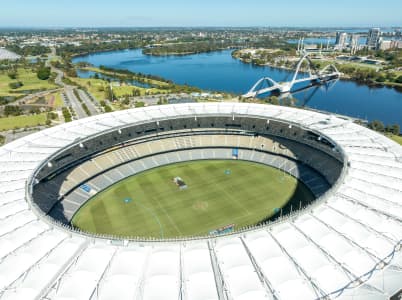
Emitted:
pixel 167 189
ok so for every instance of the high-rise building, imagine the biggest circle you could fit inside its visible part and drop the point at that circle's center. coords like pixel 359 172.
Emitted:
pixel 373 38
pixel 398 33
pixel 354 43
pixel 386 45
pixel 341 40
pixel 390 44
pixel 354 40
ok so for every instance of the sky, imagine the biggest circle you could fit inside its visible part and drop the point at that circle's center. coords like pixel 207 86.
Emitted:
pixel 155 13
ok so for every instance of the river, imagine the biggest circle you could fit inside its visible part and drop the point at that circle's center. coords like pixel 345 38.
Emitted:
pixel 218 71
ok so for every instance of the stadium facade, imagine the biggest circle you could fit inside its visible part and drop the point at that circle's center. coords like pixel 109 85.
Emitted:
pixel 344 245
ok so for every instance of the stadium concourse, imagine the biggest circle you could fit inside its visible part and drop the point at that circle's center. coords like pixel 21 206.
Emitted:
pixel 346 245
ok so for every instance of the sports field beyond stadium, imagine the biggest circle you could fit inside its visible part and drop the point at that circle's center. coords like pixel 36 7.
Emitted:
pixel 218 193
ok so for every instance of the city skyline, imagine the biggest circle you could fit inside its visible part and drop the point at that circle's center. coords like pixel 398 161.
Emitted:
pixel 178 13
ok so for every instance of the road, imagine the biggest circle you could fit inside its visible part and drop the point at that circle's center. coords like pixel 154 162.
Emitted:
pixel 68 91
pixel 34 95
pixel 58 81
pixel 74 103
pixel 72 99
pixel 59 77
pixel 91 106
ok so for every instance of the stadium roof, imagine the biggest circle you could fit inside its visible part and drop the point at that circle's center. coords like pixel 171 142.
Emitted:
pixel 347 246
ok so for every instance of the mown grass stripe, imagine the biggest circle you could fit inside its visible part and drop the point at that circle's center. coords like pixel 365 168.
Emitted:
pixel 248 195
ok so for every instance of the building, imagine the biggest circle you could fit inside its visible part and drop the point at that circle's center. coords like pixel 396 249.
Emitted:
pixel 8 55
pixel 398 34
pixel 385 45
pixel 354 42
pixel 373 38
pixel 341 40
pixel 390 44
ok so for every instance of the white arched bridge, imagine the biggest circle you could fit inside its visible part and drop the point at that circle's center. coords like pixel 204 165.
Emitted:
pixel 266 84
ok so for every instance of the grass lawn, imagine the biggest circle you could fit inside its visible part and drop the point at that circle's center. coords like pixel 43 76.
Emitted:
pixel 219 193
pixel 58 101
pixel 22 121
pixel 110 73
pixel 396 138
pixel 94 85
pixel 361 66
pixel 121 91
pixel 54 100
pixel 28 78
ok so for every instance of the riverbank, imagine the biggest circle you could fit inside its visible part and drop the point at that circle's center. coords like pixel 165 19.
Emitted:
pixel 124 74
pixel 109 83
pixel 219 71
pixel 186 48
pixel 85 53
pixel 172 53
pixel 343 68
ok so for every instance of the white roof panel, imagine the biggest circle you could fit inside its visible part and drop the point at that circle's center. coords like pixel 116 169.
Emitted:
pixel 358 223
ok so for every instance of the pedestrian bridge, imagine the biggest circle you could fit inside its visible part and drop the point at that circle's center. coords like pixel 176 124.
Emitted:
pixel 266 84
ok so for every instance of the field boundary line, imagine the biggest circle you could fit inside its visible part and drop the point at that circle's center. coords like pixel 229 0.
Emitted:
pixel 153 214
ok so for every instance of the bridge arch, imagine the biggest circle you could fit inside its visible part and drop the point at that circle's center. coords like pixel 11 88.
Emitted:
pixel 329 68
pixel 262 80
pixel 256 89
pixel 327 73
pixel 305 57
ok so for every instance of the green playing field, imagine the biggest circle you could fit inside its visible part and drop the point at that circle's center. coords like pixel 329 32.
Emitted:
pixel 218 193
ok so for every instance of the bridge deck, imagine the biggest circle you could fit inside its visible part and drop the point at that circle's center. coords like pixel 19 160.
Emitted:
pixel 284 87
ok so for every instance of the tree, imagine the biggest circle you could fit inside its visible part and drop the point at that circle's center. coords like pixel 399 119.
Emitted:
pixel 12 110
pixel 12 74
pixel 377 125
pixel 273 100
pixel 43 73
pixel 395 129
pixel 390 76
pixel 109 94
pixel 380 78
pixel 15 85
pixel 51 116
pixel 399 79
pixel 136 92
pixel 126 100
pixel 35 111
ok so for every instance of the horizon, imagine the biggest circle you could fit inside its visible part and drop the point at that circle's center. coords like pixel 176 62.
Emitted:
pixel 200 27
pixel 176 13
